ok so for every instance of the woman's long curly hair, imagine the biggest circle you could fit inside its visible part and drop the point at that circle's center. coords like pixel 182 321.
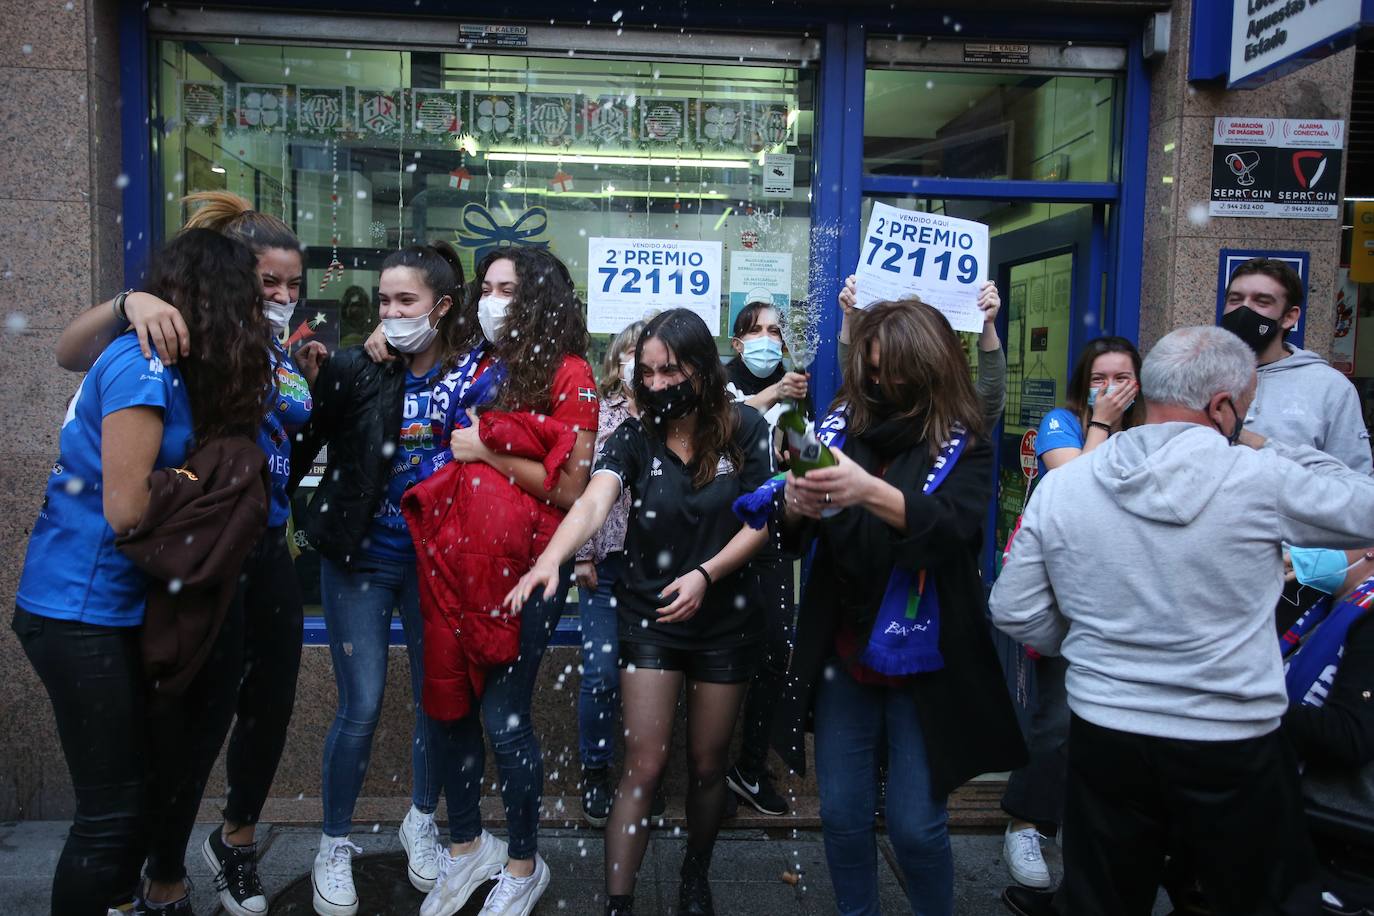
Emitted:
pixel 922 371
pixel 212 281
pixel 545 322
pixel 689 341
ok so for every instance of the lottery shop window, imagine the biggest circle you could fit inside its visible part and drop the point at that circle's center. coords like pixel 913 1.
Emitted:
pixel 363 150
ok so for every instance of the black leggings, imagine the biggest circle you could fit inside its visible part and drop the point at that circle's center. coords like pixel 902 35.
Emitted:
pixel 94 679
pixel 776 596
pixel 273 619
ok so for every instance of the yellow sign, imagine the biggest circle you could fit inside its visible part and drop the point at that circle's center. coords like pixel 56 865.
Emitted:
pixel 1362 243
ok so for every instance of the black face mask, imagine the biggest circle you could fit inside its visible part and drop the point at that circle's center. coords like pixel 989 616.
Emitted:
pixel 873 391
pixel 1252 327
pixel 673 402
pixel 1234 435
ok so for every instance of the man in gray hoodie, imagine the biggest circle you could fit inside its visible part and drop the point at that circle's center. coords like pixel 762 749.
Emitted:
pixel 1301 399
pixel 1153 565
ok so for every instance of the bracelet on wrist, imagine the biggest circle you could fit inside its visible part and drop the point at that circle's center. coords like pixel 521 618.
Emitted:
pixel 706 576
pixel 1105 427
pixel 118 306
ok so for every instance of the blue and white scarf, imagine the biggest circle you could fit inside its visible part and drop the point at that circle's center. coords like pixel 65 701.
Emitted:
pixel 1313 645
pixel 460 390
pixel 906 634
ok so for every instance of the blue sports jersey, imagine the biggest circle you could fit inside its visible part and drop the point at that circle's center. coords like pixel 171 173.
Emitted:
pixel 422 437
pixel 72 570
pixel 288 411
pixel 1059 429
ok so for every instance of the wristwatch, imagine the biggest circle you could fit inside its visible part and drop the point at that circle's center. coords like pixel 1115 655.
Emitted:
pixel 1105 427
pixel 118 306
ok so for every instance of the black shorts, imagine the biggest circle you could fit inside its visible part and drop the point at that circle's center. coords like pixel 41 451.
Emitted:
pixel 712 666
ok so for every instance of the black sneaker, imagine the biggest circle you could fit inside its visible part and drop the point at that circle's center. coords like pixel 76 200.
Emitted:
pixel 1026 902
pixel 694 893
pixel 180 907
pixel 596 796
pixel 757 791
pixel 620 905
pixel 235 869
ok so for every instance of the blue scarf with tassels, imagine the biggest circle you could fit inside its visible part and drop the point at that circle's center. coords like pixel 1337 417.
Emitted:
pixel 906 634
pixel 460 390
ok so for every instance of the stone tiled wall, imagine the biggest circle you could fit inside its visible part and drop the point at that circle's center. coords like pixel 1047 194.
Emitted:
pixel 61 247
pixel 1181 241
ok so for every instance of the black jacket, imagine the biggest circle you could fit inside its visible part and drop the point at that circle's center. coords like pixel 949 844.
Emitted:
pixel 357 413
pixel 965 712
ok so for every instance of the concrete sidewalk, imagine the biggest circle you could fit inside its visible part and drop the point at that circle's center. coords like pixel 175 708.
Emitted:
pixel 747 871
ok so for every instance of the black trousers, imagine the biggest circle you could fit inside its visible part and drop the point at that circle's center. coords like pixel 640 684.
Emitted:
pixel 1035 793
pixel 272 619
pixel 1230 809
pixel 185 735
pixel 776 590
pixel 94 679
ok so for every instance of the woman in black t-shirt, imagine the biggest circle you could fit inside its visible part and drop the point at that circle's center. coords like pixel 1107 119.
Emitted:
pixel 683 601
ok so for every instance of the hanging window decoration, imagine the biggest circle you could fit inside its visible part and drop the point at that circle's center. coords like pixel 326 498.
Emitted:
pixel 319 110
pixel 552 119
pixel 202 104
pixel 560 182
pixel 663 121
pixel 378 111
pixel 607 120
pixel 719 123
pixel 494 116
pixel 436 111
pixel 483 234
pixel 768 125
pixel 260 107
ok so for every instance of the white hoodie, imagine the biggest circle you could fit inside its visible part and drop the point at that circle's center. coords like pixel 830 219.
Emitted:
pixel 1153 565
pixel 1303 401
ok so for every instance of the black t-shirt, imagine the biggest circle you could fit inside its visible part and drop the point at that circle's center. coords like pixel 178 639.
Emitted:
pixel 675 527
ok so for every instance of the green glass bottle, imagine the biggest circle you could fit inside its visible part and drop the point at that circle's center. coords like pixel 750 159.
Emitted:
pixel 805 452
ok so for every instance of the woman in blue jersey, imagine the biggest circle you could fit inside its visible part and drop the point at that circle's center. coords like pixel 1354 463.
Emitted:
pixel 80 601
pixel 1102 400
pixel 273 615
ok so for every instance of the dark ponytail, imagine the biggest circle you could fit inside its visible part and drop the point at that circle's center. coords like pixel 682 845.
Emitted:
pixel 439 265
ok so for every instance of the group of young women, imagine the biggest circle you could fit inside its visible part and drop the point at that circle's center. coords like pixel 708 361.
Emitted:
pixel 629 490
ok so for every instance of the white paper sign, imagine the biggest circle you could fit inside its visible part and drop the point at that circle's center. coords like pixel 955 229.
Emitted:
pixel 939 258
pixel 631 279
pixel 759 276
pixel 779 170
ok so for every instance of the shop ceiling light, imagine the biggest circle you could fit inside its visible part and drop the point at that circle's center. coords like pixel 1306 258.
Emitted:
pixel 217 169
pixel 621 192
pixel 576 159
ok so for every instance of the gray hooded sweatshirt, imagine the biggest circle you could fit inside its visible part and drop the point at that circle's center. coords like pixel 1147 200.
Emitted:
pixel 1153 565
pixel 1303 401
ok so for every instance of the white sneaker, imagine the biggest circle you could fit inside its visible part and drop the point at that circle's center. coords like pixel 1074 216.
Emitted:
pixel 514 896
pixel 459 876
pixel 332 877
pixel 1021 849
pixel 420 840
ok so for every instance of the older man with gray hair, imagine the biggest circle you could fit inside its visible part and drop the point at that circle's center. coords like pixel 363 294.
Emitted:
pixel 1152 564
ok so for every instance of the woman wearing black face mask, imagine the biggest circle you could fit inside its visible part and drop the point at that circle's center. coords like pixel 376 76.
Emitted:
pixel 685 613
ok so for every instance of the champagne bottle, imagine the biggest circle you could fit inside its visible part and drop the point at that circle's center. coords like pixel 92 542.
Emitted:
pixel 805 451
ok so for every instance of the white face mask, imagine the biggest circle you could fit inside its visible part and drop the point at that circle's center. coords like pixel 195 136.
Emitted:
pixel 410 335
pixel 491 314
pixel 627 373
pixel 278 314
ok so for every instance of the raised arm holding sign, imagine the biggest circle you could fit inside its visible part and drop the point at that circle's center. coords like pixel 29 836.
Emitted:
pixel 941 259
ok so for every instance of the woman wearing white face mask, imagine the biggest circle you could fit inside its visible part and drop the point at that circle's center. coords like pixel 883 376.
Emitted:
pixel 756 376
pixel 271 597
pixel 386 425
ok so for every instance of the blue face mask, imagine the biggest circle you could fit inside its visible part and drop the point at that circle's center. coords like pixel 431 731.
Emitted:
pixel 762 355
pixel 1111 389
pixel 1320 567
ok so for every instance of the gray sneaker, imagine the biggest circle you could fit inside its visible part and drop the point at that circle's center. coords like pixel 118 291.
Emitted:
pixel 459 876
pixel 514 896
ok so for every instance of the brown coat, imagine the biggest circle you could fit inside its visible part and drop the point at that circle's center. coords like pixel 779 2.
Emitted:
pixel 202 520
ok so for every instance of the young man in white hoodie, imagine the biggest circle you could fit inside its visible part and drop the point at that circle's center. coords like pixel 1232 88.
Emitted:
pixel 1301 400
pixel 1153 565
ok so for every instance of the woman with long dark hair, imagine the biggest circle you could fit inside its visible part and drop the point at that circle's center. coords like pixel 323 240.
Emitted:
pixel 385 425
pixel 1102 400
pixel 686 614
pixel 273 612
pixel 80 601
pixel 894 659
pixel 534 334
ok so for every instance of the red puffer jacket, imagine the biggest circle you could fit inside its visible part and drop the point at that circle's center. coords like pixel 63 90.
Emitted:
pixel 476 534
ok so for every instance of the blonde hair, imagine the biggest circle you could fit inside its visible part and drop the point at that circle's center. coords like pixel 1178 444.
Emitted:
pixel 234 216
pixel 612 383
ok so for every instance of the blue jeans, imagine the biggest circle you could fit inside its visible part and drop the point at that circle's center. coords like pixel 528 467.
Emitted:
pixel 597 704
pixel 358 603
pixel 505 712
pixel 852 721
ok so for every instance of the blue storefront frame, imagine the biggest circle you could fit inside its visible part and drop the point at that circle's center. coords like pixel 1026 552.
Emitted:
pixel 839 183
